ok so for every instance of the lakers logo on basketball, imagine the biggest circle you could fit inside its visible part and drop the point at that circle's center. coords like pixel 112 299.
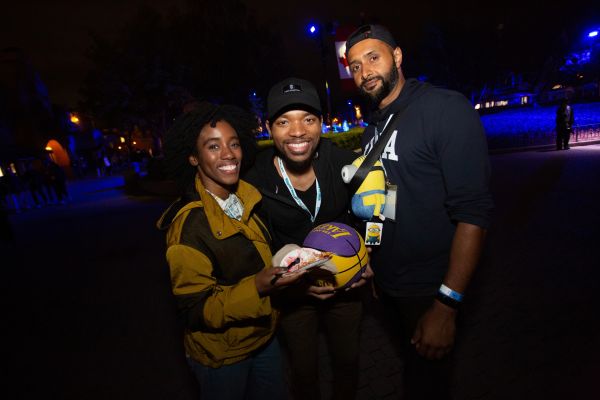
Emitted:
pixel 349 258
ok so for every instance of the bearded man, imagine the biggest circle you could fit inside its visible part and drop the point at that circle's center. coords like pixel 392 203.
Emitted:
pixel 436 156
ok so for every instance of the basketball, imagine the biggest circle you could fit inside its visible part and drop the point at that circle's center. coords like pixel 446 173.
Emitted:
pixel 349 258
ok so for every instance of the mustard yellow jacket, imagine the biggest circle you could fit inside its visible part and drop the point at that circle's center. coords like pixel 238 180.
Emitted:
pixel 213 260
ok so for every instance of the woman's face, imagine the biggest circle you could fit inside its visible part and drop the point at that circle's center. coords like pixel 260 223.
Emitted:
pixel 218 158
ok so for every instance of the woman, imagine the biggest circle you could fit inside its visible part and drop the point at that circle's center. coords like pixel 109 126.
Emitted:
pixel 220 261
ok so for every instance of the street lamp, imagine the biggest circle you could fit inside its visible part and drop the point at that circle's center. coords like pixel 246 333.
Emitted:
pixel 50 152
pixel 315 31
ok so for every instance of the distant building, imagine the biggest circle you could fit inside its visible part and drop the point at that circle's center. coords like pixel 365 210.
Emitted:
pixel 513 91
pixel 572 73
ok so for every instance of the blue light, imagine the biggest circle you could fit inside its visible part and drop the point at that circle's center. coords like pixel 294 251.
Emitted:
pixel 349 102
pixel 536 122
pixel 593 34
pixel 312 29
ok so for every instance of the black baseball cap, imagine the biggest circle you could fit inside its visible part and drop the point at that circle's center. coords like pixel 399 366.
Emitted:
pixel 370 32
pixel 292 94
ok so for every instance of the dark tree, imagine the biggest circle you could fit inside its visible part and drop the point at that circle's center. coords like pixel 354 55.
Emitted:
pixel 208 51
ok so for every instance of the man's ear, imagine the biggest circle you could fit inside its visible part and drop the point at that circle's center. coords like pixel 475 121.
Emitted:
pixel 193 160
pixel 397 57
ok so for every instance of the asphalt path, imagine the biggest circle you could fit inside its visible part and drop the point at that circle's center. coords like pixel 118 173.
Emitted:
pixel 88 314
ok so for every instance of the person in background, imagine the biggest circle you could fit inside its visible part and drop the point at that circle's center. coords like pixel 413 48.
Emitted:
pixel 58 181
pixel 564 125
pixel 35 180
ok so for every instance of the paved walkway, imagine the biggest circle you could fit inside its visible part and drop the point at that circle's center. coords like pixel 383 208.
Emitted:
pixel 88 314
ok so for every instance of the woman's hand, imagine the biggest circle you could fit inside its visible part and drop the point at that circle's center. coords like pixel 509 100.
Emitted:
pixel 275 278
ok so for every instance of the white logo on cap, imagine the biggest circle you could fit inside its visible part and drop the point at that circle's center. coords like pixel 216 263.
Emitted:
pixel 292 88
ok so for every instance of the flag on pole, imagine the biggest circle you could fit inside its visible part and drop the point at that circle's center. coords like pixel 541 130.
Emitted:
pixel 343 68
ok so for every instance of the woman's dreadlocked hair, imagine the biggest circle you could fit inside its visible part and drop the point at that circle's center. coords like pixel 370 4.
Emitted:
pixel 180 141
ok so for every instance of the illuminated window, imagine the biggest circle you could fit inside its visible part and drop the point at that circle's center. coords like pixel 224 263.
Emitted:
pixel 477 106
pixel 524 100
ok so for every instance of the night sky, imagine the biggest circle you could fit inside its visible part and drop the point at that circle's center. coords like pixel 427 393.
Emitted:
pixel 55 34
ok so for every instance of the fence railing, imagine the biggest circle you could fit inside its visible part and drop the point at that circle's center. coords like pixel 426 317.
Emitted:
pixel 581 133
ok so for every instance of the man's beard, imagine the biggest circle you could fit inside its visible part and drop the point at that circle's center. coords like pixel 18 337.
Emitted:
pixel 388 82
pixel 296 166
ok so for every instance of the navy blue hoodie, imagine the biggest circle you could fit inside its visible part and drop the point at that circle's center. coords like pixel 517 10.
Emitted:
pixel 438 158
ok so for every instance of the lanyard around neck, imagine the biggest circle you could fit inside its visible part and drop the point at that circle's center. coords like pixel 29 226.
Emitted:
pixel 298 200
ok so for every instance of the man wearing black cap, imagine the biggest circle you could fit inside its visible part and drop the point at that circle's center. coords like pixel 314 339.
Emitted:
pixel 436 155
pixel 302 187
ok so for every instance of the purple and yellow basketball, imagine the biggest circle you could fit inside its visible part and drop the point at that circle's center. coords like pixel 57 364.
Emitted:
pixel 349 258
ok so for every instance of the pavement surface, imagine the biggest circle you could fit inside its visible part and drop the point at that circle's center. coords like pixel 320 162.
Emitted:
pixel 88 314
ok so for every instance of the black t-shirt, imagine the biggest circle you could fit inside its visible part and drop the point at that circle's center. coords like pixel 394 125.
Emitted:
pixel 309 197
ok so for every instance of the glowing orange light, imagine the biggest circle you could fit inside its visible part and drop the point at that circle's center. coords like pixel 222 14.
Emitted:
pixel 74 119
pixel 119 147
pixel 134 142
pixel 357 112
pixel 48 148
pixel 122 139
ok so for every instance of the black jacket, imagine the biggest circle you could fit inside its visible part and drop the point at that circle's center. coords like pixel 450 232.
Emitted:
pixel 438 159
pixel 288 222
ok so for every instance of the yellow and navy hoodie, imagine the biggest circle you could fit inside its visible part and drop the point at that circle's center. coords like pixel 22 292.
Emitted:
pixel 213 260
